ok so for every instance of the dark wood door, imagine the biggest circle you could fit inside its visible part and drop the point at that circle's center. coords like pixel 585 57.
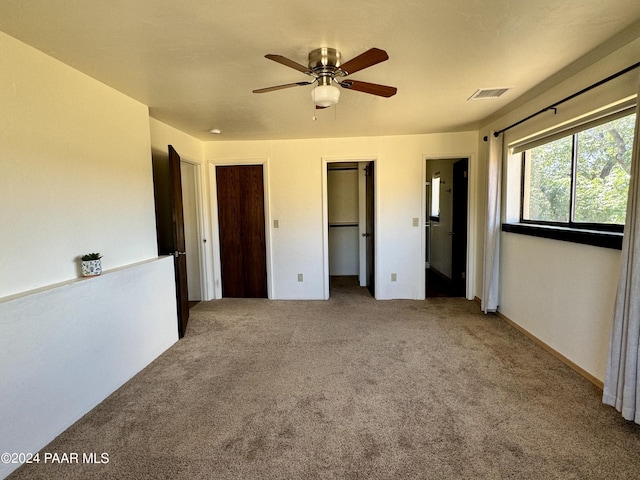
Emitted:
pixel 170 226
pixel 459 227
pixel 241 223
pixel 370 228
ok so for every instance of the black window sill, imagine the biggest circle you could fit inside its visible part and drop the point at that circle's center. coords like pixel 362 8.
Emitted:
pixel 588 237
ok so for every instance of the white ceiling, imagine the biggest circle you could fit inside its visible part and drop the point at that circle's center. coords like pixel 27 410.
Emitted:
pixel 196 62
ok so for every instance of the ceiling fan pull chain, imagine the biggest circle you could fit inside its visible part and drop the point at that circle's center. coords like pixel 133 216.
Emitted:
pixel 313 105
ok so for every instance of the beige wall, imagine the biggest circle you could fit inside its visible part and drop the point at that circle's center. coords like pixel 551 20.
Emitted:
pixel 562 293
pixel 295 198
pixel 75 172
pixel 75 178
pixel 189 148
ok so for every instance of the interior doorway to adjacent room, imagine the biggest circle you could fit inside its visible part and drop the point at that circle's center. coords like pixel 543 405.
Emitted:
pixel 446 194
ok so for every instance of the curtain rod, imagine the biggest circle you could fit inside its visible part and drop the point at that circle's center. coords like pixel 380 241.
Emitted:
pixel 566 99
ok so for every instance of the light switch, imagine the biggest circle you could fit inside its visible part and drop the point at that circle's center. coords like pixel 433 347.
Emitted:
pixel 276 224
pixel 416 222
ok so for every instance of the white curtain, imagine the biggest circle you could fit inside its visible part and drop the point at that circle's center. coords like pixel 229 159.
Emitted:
pixel 622 383
pixel 490 266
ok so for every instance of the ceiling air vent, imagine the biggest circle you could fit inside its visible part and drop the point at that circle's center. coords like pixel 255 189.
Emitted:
pixel 487 93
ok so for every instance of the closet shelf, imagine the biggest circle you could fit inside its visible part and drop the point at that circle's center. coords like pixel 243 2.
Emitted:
pixel 343 224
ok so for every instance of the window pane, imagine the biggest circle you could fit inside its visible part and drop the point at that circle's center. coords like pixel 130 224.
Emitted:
pixel 435 196
pixel 547 182
pixel 602 172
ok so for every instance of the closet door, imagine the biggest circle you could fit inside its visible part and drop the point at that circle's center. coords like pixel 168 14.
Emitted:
pixel 370 229
pixel 242 231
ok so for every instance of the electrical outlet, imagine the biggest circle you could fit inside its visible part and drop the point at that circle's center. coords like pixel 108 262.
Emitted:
pixel 394 277
pixel 300 277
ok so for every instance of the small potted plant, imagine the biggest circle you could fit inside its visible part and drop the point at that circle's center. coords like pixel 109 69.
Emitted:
pixel 91 264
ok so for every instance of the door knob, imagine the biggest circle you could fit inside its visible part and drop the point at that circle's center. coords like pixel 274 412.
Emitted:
pixel 451 234
pixel 177 253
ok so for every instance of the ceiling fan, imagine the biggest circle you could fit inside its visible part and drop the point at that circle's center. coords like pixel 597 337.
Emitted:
pixel 327 70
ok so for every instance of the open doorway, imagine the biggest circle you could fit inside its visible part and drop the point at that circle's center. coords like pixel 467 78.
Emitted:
pixel 350 229
pixel 446 194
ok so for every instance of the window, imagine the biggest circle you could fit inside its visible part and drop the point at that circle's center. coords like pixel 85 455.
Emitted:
pixel 580 180
pixel 435 197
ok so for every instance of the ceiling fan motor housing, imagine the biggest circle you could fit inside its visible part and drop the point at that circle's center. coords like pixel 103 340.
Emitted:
pixel 324 60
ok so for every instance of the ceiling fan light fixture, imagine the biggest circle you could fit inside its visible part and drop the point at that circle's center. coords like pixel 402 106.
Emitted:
pixel 325 95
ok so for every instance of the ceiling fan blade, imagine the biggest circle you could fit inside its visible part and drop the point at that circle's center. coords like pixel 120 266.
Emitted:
pixel 289 63
pixel 280 87
pixel 372 88
pixel 364 60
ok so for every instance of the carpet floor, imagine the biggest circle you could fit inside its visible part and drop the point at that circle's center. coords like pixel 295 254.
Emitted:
pixel 350 388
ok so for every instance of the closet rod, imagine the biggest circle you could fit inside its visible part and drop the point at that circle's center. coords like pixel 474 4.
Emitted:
pixel 566 99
